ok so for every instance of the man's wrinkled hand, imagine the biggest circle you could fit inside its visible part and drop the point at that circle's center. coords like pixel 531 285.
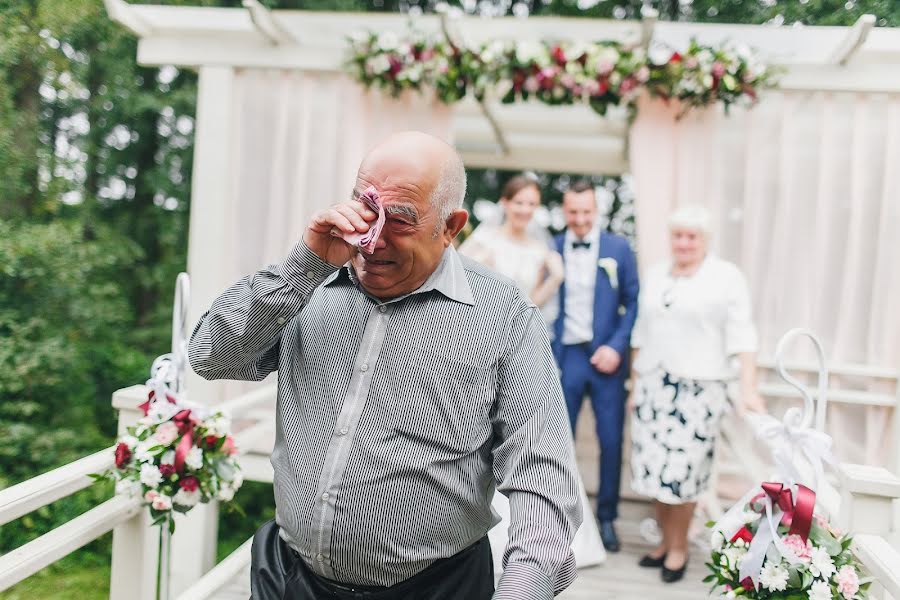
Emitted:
pixel 323 234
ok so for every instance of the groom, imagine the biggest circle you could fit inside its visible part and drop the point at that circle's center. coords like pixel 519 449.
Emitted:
pixel 598 306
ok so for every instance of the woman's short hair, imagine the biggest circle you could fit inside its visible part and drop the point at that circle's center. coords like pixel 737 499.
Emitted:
pixel 516 184
pixel 691 216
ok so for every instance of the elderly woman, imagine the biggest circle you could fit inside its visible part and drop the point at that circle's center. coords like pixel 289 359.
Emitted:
pixel 694 336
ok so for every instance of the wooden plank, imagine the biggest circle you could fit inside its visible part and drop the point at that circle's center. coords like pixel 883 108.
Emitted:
pixel 880 559
pixel 65 539
pixel 780 390
pixel 220 576
pixel 40 491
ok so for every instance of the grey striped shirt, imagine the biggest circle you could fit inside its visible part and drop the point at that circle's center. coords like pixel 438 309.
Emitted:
pixel 396 420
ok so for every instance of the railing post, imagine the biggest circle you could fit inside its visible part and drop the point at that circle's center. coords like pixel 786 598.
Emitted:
pixel 135 546
pixel 867 499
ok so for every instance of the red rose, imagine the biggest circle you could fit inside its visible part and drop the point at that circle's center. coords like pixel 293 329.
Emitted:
pixel 675 58
pixel 743 534
pixel 123 455
pixel 559 56
pixel 211 441
pixel 189 483
pixel 167 470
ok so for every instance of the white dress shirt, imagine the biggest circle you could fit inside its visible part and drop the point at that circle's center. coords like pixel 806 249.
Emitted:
pixel 693 326
pixel 581 279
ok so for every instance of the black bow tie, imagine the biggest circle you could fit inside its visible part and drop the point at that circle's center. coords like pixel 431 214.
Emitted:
pixel 576 244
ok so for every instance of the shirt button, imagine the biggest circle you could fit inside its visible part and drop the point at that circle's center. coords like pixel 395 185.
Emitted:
pixel 364 367
pixel 320 557
pixel 382 309
pixel 325 497
pixel 281 320
pixel 310 275
pixel 343 431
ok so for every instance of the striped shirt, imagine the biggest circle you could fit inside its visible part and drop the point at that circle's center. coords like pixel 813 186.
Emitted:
pixel 396 420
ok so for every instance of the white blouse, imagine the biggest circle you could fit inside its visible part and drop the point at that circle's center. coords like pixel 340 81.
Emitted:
pixel 693 326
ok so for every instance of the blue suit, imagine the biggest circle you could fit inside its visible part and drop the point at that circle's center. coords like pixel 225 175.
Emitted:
pixel 615 310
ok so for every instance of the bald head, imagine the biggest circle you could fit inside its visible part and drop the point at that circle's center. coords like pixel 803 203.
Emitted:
pixel 422 182
pixel 423 161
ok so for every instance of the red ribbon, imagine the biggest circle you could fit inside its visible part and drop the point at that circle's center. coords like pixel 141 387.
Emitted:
pixel 798 515
pixel 146 405
pixel 186 427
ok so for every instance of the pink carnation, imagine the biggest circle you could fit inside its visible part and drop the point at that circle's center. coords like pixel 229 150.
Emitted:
pixel 847 581
pixel 795 544
pixel 166 433
pixel 150 496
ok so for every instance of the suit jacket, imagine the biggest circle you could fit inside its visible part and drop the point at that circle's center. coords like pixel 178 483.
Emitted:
pixel 615 308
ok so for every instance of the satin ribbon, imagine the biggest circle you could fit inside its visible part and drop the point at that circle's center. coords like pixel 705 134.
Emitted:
pixel 786 441
pixel 366 241
pixel 186 428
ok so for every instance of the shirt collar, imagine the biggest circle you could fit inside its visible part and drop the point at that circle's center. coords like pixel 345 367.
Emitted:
pixel 449 279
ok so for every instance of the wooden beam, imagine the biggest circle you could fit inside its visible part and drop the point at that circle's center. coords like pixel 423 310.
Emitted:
pixel 856 37
pixel 40 491
pixel 211 584
pixel 124 14
pixel 27 560
pixel 266 24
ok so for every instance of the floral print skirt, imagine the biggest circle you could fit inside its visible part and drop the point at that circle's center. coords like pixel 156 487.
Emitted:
pixel 673 435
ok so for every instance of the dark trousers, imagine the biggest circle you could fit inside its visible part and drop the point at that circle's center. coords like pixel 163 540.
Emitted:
pixel 278 573
pixel 607 394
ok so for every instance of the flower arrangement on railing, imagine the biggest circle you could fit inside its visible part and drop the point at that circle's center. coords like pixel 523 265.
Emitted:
pixel 176 457
pixel 772 543
pixel 600 74
pixel 782 549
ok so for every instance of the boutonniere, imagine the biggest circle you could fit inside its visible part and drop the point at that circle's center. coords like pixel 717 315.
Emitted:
pixel 612 270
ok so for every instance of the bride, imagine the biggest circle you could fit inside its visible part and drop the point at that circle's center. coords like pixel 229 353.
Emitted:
pixel 514 250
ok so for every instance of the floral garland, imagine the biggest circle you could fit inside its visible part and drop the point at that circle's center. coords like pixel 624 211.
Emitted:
pixel 601 74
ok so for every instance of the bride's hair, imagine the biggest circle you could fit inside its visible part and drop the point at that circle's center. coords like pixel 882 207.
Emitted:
pixel 516 184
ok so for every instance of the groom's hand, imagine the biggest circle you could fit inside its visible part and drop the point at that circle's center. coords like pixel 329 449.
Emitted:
pixel 323 234
pixel 606 360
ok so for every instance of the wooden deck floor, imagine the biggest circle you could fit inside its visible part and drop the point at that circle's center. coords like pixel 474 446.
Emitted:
pixel 618 578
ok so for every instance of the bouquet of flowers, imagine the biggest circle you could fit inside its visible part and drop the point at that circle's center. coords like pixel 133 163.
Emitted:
pixel 769 546
pixel 176 456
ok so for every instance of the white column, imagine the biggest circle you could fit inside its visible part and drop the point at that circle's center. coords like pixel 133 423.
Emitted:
pixel 194 542
pixel 135 542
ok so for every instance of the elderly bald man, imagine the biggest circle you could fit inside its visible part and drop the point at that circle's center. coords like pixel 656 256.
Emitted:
pixel 411 383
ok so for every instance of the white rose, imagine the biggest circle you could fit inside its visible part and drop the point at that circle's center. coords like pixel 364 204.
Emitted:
pixel 194 459
pixel 717 540
pixel 379 64
pixel 820 591
pixel 130 441
pixel 150 475
pixel 226 493
pixel 128 487
pixel 142 451
pixel 388 40
pixel 185 498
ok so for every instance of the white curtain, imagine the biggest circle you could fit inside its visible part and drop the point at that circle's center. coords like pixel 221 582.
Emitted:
pixel 805 194
pixel 297 141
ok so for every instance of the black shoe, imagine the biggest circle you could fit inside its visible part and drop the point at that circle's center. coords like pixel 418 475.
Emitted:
pixel 673 575
pixel 609 537
pixel 650 562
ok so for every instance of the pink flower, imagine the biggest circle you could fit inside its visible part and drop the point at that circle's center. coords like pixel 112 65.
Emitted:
pixel 162 502
pixel 643 74
pixel 605 67
pixel 150 496
pixel 847 581
pixel 795 544
pixel 628 84
pixel 228 447
pixel 567 80
pixel 691 63
pixel 532 85
pixel 718 69
pixel 166 433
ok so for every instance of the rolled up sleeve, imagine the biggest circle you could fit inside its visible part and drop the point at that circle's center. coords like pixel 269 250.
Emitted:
pixel 534 465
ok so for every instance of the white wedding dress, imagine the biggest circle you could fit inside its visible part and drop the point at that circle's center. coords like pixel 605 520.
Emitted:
pixel 523 263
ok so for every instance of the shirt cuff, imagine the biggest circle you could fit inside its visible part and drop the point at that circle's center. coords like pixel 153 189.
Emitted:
pixel 522 581
pixel 304 270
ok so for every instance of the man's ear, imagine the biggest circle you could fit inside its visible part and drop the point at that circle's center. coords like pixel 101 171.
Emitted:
pixel 454 224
